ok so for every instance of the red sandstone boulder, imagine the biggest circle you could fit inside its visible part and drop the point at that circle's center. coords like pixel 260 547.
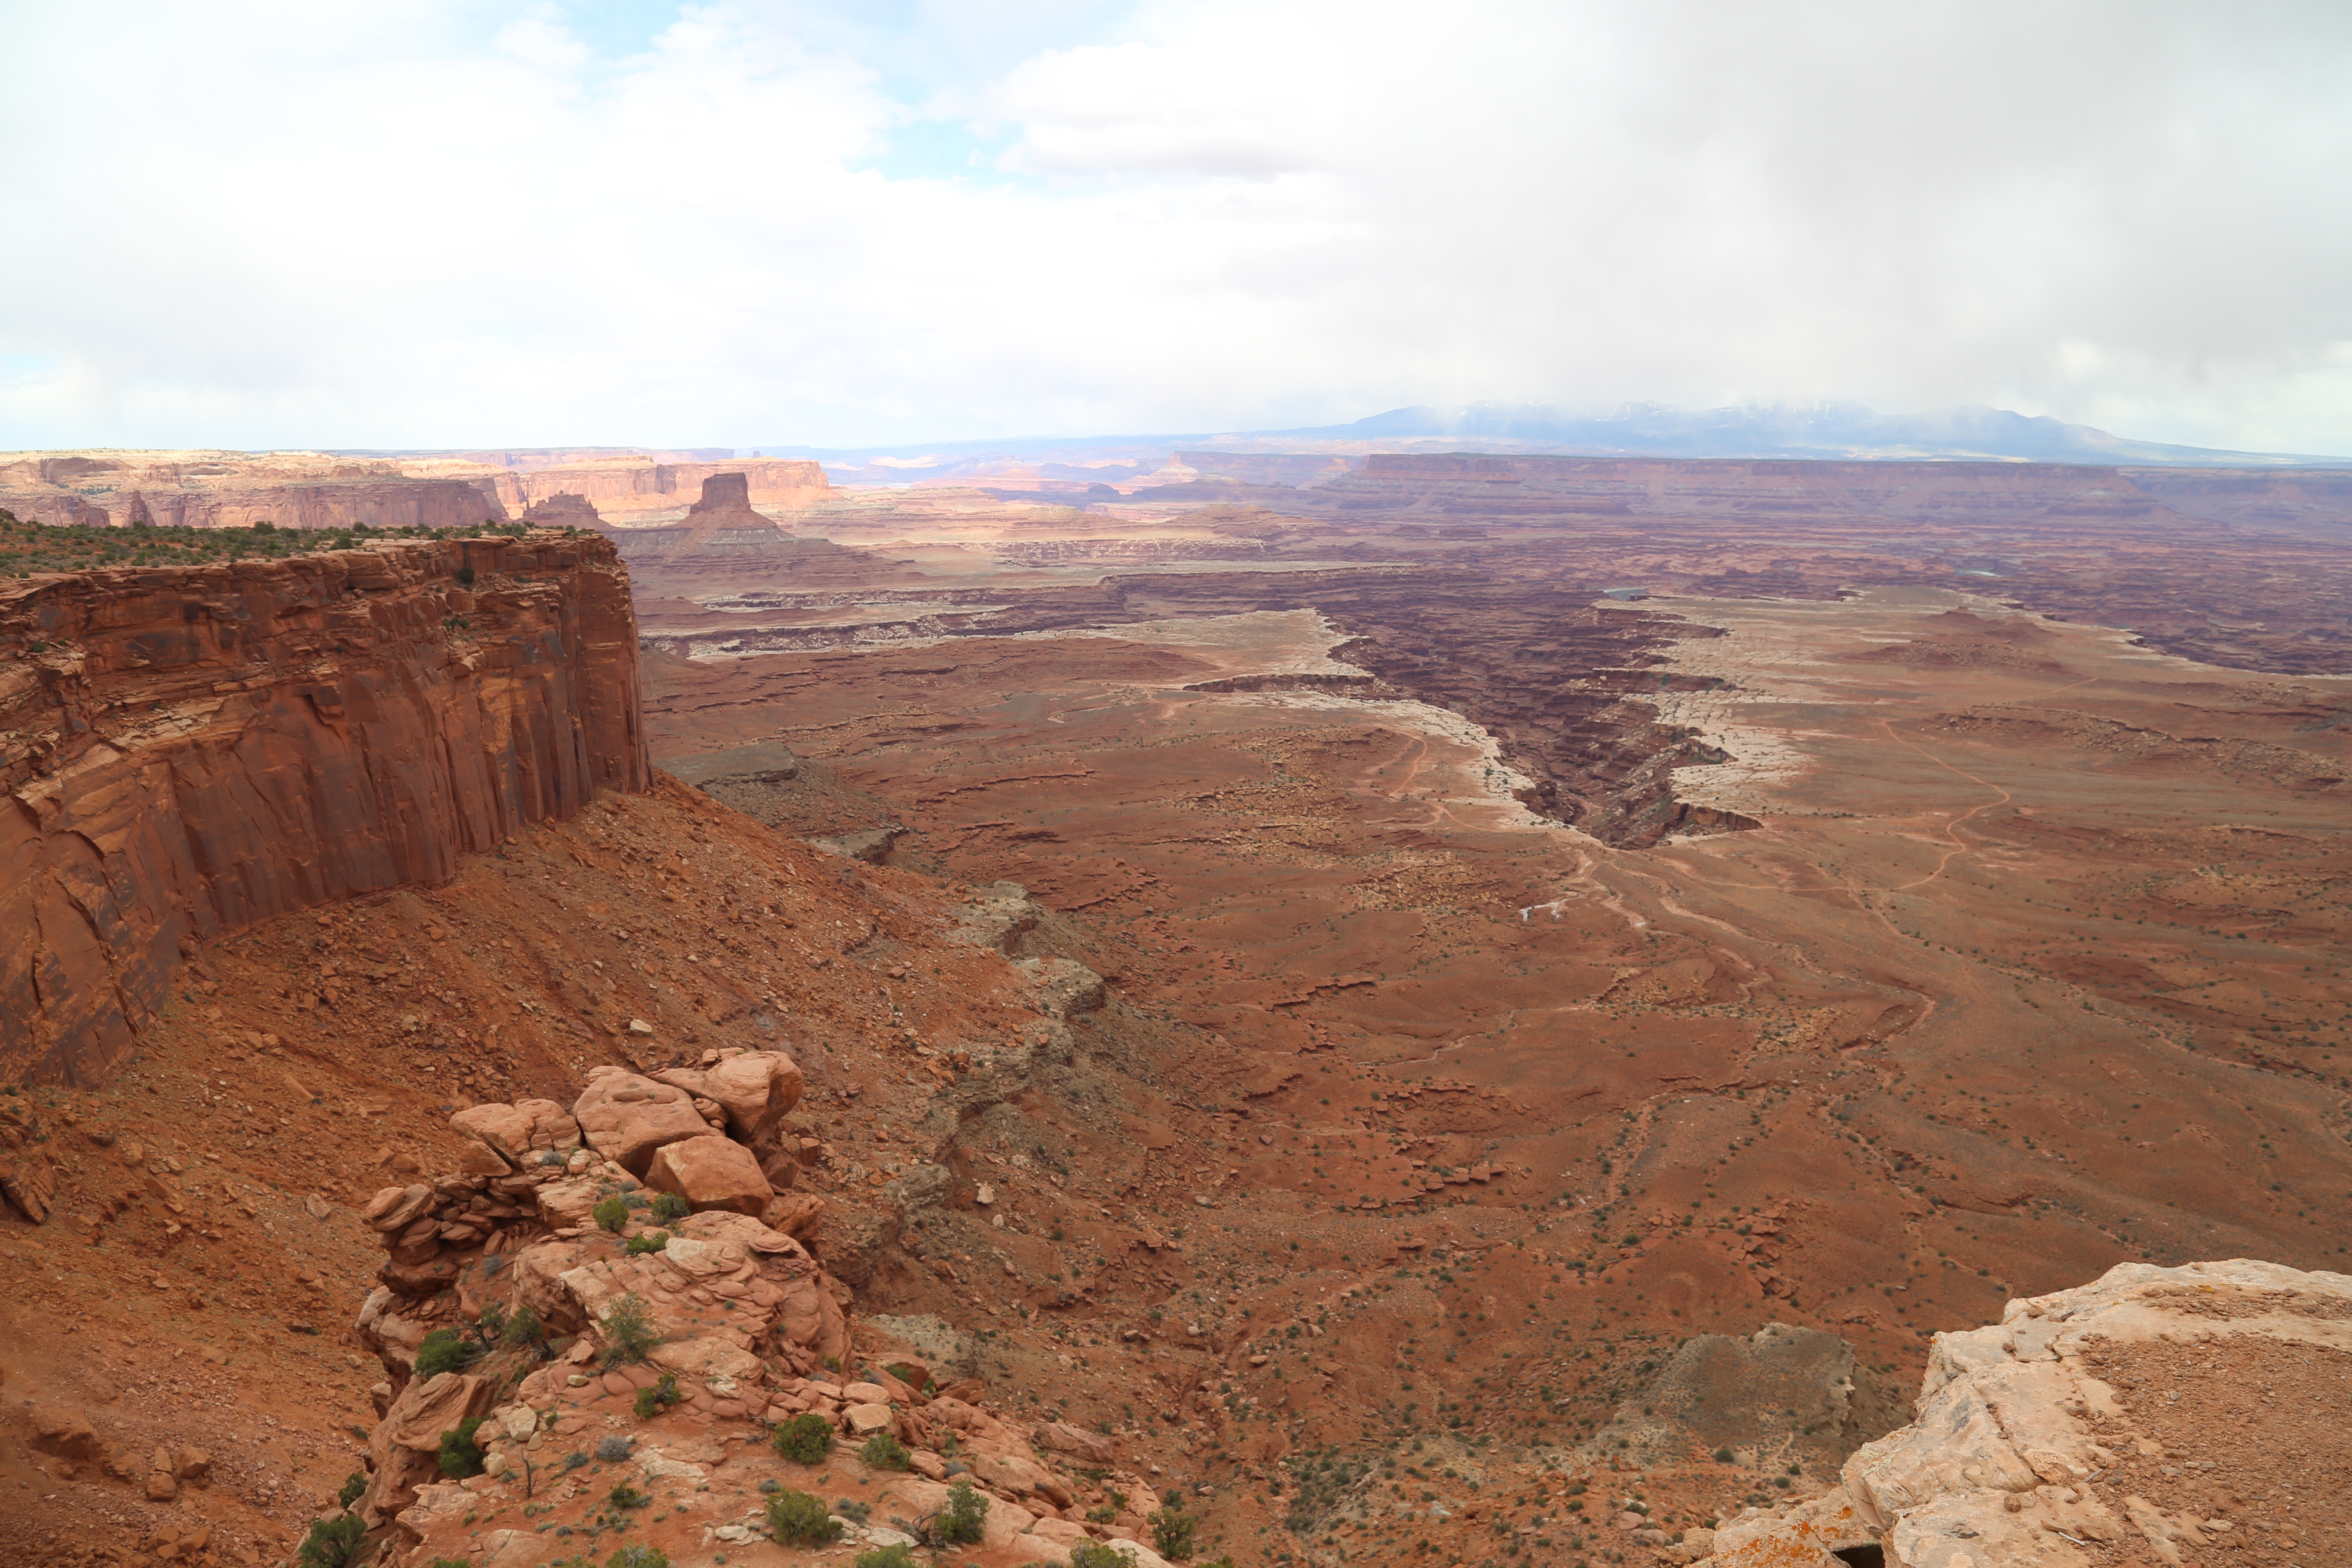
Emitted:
pixel 626 1118
pixel 518 1129
pixel 711 1173
pixel 755 1089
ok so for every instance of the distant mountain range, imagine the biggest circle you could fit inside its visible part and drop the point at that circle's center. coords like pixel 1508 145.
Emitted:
pixel 1820 431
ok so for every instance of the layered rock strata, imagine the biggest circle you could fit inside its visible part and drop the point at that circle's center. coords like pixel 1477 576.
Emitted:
pixel 186 751
pixel 2154 1414
pixel 625 486
pixel 225 490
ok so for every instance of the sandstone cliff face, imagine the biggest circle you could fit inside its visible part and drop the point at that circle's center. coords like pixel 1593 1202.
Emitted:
pixel 186 751
pixel 625 486
pixel 223 490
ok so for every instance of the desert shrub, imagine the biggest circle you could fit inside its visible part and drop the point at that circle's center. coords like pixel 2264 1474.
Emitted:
pixel 652 1402
pixel 1171 1533
pixel 623 1495
pixel 444 1350
pixel 612 1213
pixel 333 1542
pixel 523 1329
pixel 613 1449
pixel 353 1485
pixel 886 1557
pixel 628 1325
pixel 638 1556
pixel 460 1454
pixel 802 1519
pixel 647 1241
pixel 669 1208
pixel 851 1509
pixel 466 576
pixel 804 1439
pixel 574 1460
pixel 1224 1561
pixel 1095 1554
pixel 885 1452
pixel 959 1522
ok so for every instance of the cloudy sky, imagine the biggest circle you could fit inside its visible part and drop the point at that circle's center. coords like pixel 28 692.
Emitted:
pixel 257 223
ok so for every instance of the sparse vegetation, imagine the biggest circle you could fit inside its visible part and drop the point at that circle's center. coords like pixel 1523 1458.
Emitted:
pixel 1095 1554
pixel 625 1496
pixel 1172 1534
pixel 444 1350
pixel 611 1212
pixel 668 1208
pixel 801 1518
pixel 629 1334
pixel 613 1449
pixel 885 1452
pixel 637 1556
pixel 652 1402
pixel 961 1523
pixel 460 1454
pixel 887 1557
pixel 333 1542
pixel 647 1241
pixel 353 1485
pixel 804 1439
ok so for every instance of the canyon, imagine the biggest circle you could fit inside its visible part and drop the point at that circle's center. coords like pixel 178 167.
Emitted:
pixel 1475 1008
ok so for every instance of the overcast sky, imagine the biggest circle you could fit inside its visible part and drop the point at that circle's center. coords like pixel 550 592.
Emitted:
pixel 254 222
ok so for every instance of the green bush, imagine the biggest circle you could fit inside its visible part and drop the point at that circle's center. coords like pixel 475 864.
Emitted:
pixel 804 1439
pixel 628 1325
pixel 612 1213
pixel 1171 1533
pixel 652 1402
pixel 669 1208
pixel 647 1241
pixel 1095 1554
pixel 886 1557
pixel 523 1328
pixel 626 1496
pixel 802 1519
pixel 638 1556
pixel 353 1485
pixel 460 1454
pixel 960 1522
pixel 444 1350
pixel 333 1542
pixel 885 1452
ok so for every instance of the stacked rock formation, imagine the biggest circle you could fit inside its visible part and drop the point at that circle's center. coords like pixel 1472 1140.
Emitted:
pixel 2106 1423
pixel 718 1308
pixel 707 1133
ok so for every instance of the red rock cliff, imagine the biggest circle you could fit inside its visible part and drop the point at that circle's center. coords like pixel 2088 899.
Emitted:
pixel 186 751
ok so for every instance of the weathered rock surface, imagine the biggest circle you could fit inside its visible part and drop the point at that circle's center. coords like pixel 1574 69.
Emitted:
pixel 184 751
pixel 711 1174
pixel 625 1117
pixel 756 1088
pixel 2041 1441
pixel 236 489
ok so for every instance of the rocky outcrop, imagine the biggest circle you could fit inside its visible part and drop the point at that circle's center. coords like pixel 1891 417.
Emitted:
pixel 2101 1424
pixel 620 487
pixel 185 751
pixel 233 489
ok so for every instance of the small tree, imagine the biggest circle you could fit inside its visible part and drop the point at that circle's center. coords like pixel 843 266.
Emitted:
pixel 804 1439
pixel 802 1519
pixel 885 1452
pixel 669 1208
pixel 333 1542
pixel 647 1241
pixel 353 1485
pixel 460 1454
pixel 1095 1554
pixel 1171 1533
pixel 524 1328
pixel 961 1523
pixel 444 1350
pixel 611 1213
pixel 629 1334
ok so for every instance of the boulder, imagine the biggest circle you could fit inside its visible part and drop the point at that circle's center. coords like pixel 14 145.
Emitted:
pixel 755 1090
pixel 405 1444
pixel 626 1118
pixel 1087 1448
pixel 711 1173
pixel 794 1214
pixel 518 1129
pixel 396 1208
pixel 566 1204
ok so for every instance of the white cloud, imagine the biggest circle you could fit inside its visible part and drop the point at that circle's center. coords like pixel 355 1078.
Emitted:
pixel 379 224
